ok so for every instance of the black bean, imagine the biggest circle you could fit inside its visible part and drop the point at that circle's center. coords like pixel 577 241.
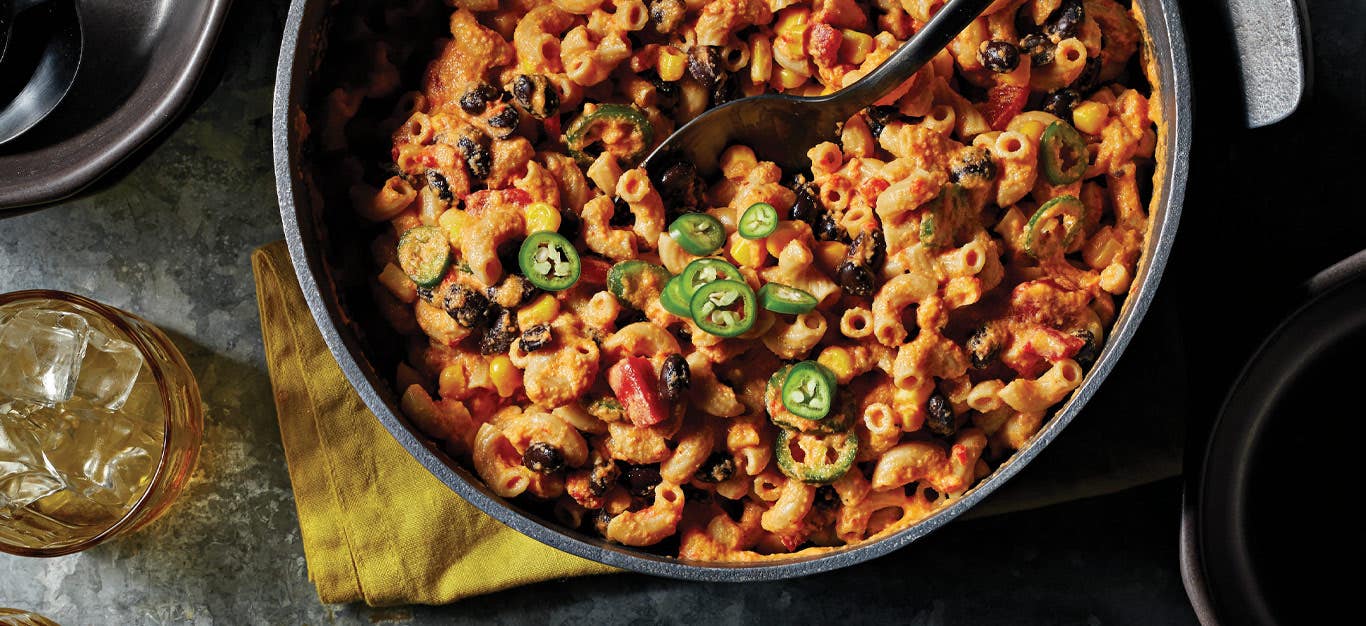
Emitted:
pixel 972 167
pixel 983 347
pixel 666 92
pixel 535 94
pixel 468 306
pixel 856 279
pixel 630 315
pixel 695 495
pixel 506 119
pixel 502 331
pixel 726 90
pixel 931 495
pixel 1086 356
pixel 571 225
pixel 536 337
pixel 439 183
pixel 1066 21
pixel 426 293
pixel 808 207
pixel 704 64
pixel 601 520
pixel 667 14
pixel 543 458
pixel 718 467
pixel 827 229
pixel 477 156
pixel 940 418
pixel 478 98
pixel 641 480
pixel 999 56
pixel 679 186
pixel 675 377
pixel 826 497
pixel 869 249
pixel 1061 102
pixel 603 475
pixel 879 117
pixel 1039 48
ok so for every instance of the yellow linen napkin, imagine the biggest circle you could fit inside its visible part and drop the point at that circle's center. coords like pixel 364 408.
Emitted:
pixel 376 526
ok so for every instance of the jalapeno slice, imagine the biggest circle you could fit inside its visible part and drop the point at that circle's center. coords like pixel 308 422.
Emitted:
pixel 673 298
pixel 636 282
pixel 1042 239
pixel 589 129
pixel 698 233
pixel 815 458
pixel 759 221
pixel 703 271
pixel 840 419
pixel 549 261
pixel 809 390
pixel 424 254
pixel 781 298
pixel 1062 154
pixel 725 308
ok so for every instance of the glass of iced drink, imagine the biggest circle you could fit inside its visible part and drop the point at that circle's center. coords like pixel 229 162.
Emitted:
pixel 100 423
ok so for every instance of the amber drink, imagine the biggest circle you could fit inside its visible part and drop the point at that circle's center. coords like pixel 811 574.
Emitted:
pixel 100 423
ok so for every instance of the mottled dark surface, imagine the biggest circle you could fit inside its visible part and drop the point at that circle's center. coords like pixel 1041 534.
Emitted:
pixel 169 234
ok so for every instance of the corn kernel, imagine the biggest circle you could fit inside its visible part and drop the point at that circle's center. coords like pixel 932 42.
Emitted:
pixel 453 221
pixel 451 382
pixel 748 252
pixel 542 310
pixel 1090 117
pixel 507 379
pixel 783 235
pixel 1032 129
pixel 855 46
pixel 837 360
pixel 792 21
pixel 830 254
pixel 670 64
pixel 788 79
pixel 541 216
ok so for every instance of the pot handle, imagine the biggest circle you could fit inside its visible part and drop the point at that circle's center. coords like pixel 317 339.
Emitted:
pixel 1271 37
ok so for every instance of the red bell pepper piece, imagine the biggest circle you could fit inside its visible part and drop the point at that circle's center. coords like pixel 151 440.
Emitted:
pixel 1003 103
pixel 634 382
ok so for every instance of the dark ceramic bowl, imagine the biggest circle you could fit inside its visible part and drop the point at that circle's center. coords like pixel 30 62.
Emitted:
pixel 328 244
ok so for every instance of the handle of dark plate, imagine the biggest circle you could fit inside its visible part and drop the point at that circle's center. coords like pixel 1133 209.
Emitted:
pixel 913 55
pixel 1272 41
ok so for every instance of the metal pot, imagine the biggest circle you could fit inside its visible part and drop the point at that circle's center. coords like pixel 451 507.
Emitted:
pixel 324 260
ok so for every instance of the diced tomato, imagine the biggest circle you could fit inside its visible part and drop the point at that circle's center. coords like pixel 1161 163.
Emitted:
pixel 634 382
pixel 1003 103
pixel 552 126
pixel 873 187
pixel 824 44
pixel 593 272
pixel 1034 348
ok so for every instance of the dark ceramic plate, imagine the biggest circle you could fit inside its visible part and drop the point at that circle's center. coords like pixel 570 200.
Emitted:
pixel 141 62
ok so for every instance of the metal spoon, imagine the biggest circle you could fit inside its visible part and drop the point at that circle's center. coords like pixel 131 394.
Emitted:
pixel 54 67
pixel 781 128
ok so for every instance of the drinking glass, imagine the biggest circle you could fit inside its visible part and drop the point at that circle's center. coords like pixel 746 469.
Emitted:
pixel 100 423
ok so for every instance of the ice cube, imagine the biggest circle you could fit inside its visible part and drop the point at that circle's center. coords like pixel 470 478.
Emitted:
pixel 26 474
pixel 108 372
pixel 40 355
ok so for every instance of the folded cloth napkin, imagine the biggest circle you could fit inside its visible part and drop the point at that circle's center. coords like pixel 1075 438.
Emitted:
pixel 378 527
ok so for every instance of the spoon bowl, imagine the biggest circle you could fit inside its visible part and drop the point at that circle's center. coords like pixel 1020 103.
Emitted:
pixel 41 61
pixel 781 128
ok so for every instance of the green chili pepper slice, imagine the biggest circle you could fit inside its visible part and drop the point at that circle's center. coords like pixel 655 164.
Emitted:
pixel 637 282
pixel 549 261
pixel 698 233
pixel 781 298
pixel 1042 239
pixel 725 308
pixel 809 390
pixel 1062 154
pixel 944 217
pixel 816 458
pixel 703 271
pixel 673 298
pixel 841 417
pixel 424 254
pixel 589 127
pixel 759 221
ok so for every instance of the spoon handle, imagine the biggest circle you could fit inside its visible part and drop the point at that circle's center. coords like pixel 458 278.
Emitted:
pixel 914 54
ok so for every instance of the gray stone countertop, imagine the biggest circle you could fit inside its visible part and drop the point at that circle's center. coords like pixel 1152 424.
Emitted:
pixel 168 236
